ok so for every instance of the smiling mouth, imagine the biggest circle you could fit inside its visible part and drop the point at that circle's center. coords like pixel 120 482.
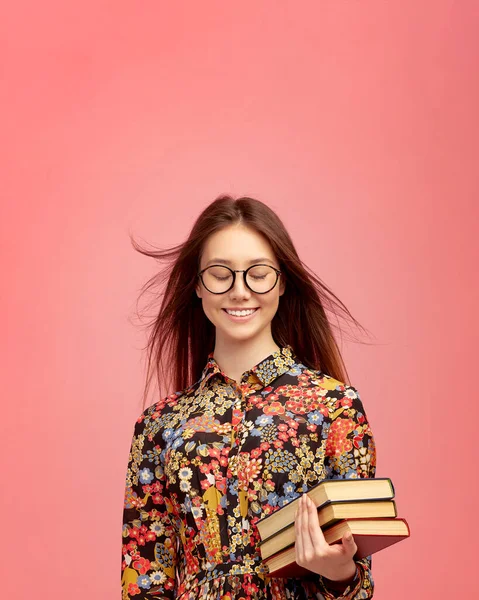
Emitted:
pixel 238 314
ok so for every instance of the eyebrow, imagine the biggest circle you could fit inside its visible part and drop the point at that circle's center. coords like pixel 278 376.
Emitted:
pixel 228 262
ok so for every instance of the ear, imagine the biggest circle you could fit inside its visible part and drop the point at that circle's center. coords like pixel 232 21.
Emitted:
pixel 198 290
pixel 282 286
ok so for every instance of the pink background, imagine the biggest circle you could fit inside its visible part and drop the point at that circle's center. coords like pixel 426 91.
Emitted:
pixel 357 121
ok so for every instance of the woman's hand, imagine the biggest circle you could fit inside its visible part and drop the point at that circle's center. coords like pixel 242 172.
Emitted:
pixel 335 561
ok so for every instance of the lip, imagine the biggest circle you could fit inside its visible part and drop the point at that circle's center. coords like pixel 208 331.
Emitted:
pixel 241 319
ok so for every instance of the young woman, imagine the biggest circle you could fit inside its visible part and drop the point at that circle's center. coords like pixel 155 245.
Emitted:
pixel 262 415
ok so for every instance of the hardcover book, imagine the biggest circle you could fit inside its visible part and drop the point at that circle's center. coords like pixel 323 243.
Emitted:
pixel 370 536
pixel 328 516
pixel 325 492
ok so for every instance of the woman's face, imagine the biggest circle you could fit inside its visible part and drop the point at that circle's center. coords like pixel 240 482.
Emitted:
pixel 238 247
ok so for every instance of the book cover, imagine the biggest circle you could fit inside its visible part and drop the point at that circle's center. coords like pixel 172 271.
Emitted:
pixel 326 491
pixel 328 516
pixel 370 536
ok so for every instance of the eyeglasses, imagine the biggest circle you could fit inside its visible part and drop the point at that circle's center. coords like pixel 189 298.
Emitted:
pixel 260 279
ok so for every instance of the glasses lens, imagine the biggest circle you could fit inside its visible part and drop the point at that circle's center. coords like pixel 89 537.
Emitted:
pixel 261 278
pixel 217 279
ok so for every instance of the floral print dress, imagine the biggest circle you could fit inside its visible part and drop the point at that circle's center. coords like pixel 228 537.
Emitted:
pixel 208 462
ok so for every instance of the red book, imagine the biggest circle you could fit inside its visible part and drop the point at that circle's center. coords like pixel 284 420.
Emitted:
pixel 370 536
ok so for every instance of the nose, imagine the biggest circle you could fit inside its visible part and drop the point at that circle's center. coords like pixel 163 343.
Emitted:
pixel 239 290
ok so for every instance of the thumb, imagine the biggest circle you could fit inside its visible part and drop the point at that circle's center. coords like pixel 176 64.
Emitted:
pixel 348 541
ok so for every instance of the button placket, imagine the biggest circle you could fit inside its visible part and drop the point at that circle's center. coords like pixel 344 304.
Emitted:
pixel 234 466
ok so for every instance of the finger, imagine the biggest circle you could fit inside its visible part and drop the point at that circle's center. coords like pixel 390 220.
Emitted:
pixel 349 544
pixel 298 532
pixel 308 547
pixel 316 534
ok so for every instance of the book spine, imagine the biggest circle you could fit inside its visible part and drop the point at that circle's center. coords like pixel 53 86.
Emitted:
pixel 393 491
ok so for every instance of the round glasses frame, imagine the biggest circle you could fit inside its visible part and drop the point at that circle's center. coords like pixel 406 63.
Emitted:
pixel 244 271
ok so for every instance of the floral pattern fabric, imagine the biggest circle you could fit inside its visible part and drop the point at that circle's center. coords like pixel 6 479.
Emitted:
pixel 208 462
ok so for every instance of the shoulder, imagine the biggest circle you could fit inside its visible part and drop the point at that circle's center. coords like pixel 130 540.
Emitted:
pixel 324 381
pixel 156 416
pixel 331 392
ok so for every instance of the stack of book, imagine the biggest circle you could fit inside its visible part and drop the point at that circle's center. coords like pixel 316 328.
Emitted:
pixel 365 507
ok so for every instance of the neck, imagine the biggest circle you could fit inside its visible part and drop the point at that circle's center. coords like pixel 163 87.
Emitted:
pixel 237 356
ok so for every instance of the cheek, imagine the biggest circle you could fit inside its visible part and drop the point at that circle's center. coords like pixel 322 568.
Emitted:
pixel 271 304
pixel 211 306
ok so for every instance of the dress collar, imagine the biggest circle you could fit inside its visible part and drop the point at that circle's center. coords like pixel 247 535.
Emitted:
pixel 265 371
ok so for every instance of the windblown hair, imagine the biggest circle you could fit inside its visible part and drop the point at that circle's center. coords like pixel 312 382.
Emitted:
pixel 181 336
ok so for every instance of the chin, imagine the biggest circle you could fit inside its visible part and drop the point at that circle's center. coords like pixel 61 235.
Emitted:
pixel 241 335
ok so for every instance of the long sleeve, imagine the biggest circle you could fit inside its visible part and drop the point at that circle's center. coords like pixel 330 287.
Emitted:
pixel 149 549
pixel 350 453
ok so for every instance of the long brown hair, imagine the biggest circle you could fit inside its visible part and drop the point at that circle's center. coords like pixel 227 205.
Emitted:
pixel 181 336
